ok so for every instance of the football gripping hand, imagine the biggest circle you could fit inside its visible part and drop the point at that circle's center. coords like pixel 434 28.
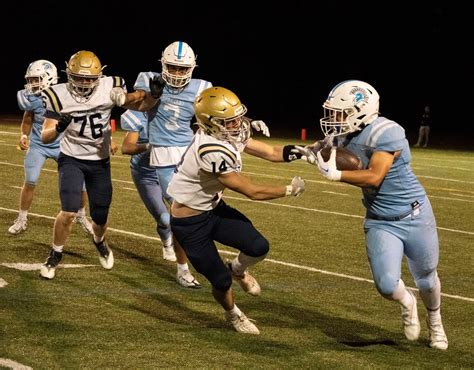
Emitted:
pixel 306 154
pixel 296 188
pixel 157 84
pixel 63 122
pixel 329 169
pixel 117 95
pixel 261 126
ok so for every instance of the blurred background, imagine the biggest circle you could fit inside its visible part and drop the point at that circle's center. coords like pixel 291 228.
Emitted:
pixel 281 60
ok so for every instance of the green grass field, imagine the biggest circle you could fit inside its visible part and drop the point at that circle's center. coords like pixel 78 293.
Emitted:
pixel 318 308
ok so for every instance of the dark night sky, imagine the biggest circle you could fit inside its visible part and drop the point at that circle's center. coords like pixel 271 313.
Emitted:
pixel 281 60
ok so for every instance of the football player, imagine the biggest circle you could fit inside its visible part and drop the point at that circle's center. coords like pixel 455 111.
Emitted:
pixel 399 218
pixel 40 75
pixel 146 181
pixel 199 215
pixel 169 122
pixel 80 110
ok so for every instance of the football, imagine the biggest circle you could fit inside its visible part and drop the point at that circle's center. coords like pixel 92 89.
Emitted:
pixel 345 159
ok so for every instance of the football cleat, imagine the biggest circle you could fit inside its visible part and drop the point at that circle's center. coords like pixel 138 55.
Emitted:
pixel 187 280
pixel 410 321
pixel 246 281
pixel 241 323
pixel 168 253
pixel 18 226
pixel 48 269
pixel 437 336
pixel 85 224
pixel 106 257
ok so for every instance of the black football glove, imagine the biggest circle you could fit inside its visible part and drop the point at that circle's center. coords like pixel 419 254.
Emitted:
pixel 290 153
pixel 63 122
pixel 157 84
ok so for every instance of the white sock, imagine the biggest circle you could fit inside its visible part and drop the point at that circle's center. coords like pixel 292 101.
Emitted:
pixel 81 212
pixel 401 295
pixel 182 267
pixel 434 316
pixel 23 214
pixel 168 242
pixel 242 262
pixel 58 248
pixel 235 311
pixel 97 239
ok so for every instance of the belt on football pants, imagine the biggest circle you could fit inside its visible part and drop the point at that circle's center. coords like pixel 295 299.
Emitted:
pixel 415 209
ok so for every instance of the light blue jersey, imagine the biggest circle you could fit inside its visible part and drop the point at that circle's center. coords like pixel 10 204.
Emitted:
pixel 169 123
pixel 136 121
pixel 34 103
pixel 400 187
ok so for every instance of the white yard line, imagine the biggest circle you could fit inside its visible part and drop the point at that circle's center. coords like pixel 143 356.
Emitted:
pixel 10 364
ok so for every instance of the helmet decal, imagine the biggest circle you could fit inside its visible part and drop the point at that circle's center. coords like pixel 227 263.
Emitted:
pixel 350 106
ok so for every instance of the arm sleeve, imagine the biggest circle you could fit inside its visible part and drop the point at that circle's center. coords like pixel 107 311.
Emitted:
pixel 143 81
pixel 132 120
pixel 23 102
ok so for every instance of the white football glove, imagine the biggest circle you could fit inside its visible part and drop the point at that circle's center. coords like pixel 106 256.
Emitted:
pixel 117 95
pixel 296 188
pixel 329 169
pixel 260 126
pixel 307 154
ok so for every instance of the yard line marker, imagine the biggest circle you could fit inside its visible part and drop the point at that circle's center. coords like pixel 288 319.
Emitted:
pixel 333 192
pixel 10 364
pixel 447 198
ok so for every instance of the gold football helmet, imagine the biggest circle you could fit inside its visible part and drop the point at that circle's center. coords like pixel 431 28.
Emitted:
pixel 83 73
pixel 220 113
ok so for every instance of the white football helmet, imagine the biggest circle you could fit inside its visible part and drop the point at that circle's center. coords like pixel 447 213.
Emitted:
pixel 40 75
pixel 350 105
pixel 84 71
pixel 220 113
pixel 177 64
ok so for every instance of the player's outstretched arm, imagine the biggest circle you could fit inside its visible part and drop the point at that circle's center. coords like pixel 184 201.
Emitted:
pixel 241 184
pixel 271 153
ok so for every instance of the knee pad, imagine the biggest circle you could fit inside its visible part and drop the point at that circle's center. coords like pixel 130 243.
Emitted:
pixel 164 221
pixel 260 247
pixel 99 215
pixel 387 285
pixel 222 281
pixel 427 282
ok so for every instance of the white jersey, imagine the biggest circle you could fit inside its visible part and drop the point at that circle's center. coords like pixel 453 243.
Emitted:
pixel 195 182
pixel 88 135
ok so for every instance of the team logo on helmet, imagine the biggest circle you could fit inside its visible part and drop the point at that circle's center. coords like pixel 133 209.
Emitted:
pixel 359 95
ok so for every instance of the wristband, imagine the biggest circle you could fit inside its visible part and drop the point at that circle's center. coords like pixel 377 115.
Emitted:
pixel 289 155
pixel 289 190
